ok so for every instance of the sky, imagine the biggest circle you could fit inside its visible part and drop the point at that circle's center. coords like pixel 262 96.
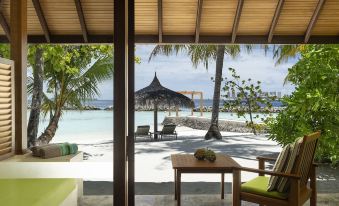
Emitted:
pixel 177 72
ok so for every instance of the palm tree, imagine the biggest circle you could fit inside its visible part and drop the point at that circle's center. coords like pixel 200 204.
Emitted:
pixel 203 54
pixel 35 88
pixel 72 74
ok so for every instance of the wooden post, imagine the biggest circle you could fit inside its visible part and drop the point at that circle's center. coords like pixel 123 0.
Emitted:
pixel 123 86
pixel 155 121
pixel 236 187
pixel 261 166
pixel 201 104
pixel 131 100
pixel 18 48
pixel 192 111
pixel 176 111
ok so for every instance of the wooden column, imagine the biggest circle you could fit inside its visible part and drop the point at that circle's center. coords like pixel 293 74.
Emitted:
pixel 192 111
pixel 123 103
pixel 131 117
pixel 201 104
pixel 155 121
pixel 18 48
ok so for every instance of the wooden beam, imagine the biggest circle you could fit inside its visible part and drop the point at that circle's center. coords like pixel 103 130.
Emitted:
pixel 18 49
pixel 182 39
pixel 42 20
pixel 160 20
pixel 82 20
pixel 275 20
pixel 5 25
pixel 198 20
pixel 237 20
pixel 313 20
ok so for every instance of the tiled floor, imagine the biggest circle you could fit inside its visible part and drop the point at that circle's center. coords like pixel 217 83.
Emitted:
pixel 331 199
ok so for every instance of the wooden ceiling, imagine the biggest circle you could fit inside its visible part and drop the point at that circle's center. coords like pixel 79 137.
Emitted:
pixel 182 21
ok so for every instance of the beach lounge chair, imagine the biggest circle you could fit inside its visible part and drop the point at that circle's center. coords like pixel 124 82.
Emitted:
pixel 143 131
pixel 168 130
pixel 292 188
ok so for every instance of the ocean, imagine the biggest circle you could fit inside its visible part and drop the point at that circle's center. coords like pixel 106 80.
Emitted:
pixel 95 126
pixel 102 104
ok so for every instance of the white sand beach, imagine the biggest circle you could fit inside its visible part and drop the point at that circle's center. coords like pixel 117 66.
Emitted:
pixel 152 158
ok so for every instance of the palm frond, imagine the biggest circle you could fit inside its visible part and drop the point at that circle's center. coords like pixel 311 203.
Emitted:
pixel 167 50
pixel 48 105
pixel 29 85
pixel 285 52
pixel 202 54
pixel 233 50
pixel 86 85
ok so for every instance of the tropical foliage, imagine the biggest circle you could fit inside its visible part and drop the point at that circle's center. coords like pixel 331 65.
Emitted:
pixel 72 74
pixel 204 54
pixel 314 103
pixel 249 99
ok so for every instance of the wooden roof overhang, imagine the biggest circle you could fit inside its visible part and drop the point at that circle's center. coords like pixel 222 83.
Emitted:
pixel 182 21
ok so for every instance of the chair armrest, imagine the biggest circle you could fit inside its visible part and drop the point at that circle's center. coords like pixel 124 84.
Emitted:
pixel 247 169
pixel 267 159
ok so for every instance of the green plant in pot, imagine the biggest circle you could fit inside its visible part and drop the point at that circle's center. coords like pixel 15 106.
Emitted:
pixel 200 154
pixel 210 155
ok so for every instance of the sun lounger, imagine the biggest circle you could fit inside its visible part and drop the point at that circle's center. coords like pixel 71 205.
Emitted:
pixel 168 130
pixel 143 131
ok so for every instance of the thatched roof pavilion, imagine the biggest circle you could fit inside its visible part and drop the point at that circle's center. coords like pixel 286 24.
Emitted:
pixel 157 95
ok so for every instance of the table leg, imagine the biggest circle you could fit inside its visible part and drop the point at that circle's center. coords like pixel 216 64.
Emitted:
pixel 236 188
pixel 178 187
pixel 175 184
pixel 222 185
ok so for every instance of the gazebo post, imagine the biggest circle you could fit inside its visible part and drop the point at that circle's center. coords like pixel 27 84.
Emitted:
pixel 192 110
pixel 155 120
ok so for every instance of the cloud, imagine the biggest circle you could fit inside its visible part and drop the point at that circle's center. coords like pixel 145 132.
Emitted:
pixel 177 73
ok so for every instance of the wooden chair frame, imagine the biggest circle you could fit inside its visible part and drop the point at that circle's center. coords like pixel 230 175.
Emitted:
pixel 149 134
pixel 298 193
pixel 161 133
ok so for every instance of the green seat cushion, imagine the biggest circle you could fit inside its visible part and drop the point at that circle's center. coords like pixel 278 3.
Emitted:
pixel 37 192
pixel 259 186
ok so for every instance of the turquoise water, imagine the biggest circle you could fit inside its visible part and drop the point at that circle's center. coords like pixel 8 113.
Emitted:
pixel 97 126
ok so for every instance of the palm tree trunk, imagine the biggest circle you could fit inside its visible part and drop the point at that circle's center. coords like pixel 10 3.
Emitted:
pixel 34 117
pixel 213 131
pixel 50 131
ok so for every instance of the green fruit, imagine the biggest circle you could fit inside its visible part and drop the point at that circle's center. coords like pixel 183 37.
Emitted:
pixel 210 155
pixel 200 154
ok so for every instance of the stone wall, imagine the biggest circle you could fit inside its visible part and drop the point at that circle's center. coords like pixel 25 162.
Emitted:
pixel 204 123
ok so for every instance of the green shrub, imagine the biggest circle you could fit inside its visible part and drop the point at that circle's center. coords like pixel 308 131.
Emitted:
pixel 314 104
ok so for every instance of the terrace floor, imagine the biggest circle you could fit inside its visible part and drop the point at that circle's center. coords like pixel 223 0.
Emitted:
pixel 154 174
pixel 329 199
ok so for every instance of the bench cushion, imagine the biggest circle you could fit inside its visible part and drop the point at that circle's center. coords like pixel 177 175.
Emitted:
pixel 37 192
pixel 259 186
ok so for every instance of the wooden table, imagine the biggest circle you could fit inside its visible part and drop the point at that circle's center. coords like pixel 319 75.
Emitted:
pixel 187 163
